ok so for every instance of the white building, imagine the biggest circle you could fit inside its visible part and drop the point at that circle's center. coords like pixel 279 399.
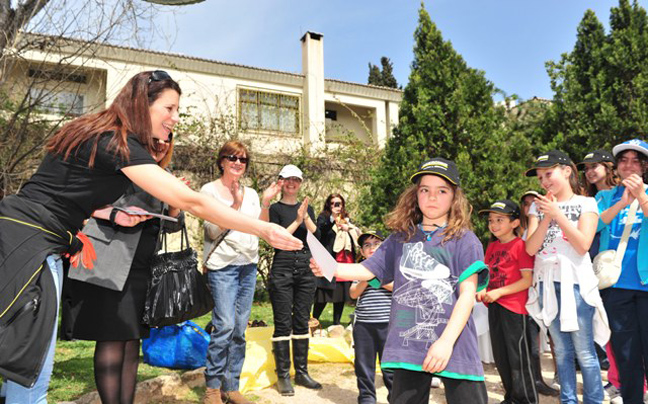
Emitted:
pixel 273 107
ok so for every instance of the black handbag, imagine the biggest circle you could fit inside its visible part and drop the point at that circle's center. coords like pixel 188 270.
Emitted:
pixel 177 291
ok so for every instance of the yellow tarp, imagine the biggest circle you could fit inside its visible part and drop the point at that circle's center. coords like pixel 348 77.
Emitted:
pixel 259 366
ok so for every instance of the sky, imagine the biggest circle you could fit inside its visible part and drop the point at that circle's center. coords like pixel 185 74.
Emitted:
pixel 510 40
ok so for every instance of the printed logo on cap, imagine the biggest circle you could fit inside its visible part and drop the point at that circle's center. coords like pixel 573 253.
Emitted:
pixel 635 142
pixel 498 205
pixel 439 164
pixel 542 158
pixel 589 156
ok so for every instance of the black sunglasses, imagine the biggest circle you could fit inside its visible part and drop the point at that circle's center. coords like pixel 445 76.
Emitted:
pixel 337 204
pixel 159 75
pixel 233 158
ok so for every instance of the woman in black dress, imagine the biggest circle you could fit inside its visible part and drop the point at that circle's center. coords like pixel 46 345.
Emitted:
pixel 339 236
pixel 112 316
pixel 90 162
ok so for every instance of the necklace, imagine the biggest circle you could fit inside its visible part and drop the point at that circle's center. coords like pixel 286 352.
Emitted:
pixel 429 233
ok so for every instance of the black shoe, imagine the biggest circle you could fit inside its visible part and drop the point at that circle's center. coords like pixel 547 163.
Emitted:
pixel 306 381
pixel 300 360
pixel 546 390
pixel 284 387
pixel 281 351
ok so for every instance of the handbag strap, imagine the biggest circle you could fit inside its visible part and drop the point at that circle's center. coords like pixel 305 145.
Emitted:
pixel 162 236
pixel 621 248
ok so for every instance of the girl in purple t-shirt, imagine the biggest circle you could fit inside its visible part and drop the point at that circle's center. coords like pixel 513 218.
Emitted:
pixel 435 262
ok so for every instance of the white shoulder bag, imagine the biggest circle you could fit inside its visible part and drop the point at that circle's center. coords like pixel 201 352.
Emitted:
pixel 607 264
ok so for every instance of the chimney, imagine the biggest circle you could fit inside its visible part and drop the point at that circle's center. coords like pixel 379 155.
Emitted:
pixel 313 94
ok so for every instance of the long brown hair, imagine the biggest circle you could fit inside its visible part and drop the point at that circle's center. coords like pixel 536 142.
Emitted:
pixel 327 211
pixel 574 182
pixel 611 179
pixel 407 215
pixel 129 113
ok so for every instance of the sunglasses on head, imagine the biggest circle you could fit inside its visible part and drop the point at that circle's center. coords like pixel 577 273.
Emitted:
pixel 159 75
pixel 337 204
pixel 233 158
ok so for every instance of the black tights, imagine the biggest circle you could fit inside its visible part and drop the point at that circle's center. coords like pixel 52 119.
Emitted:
pixel 318 308
pixel 115 369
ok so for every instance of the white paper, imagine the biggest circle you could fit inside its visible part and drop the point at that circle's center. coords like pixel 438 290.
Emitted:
pixel 325 260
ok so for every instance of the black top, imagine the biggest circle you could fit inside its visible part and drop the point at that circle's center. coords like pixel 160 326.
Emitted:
pixel 284 214
pixel 327 234
pixel 72 191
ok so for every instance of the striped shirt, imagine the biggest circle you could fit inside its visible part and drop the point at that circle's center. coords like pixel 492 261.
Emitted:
pixel 373 305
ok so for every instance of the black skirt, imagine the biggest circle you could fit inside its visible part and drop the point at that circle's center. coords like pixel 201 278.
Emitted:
pixel 339 293
pixel 101 314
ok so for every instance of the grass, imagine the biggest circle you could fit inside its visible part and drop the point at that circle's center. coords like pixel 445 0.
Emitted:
pixel 73 368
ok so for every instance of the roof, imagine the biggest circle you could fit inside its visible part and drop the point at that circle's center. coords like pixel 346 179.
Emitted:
pixel 183 62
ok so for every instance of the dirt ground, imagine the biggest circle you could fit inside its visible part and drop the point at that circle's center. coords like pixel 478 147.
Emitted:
pixel 340 387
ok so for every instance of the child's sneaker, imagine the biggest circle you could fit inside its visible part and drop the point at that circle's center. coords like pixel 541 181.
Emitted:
pixel 613 394
pixel 436 382
pixel 555 383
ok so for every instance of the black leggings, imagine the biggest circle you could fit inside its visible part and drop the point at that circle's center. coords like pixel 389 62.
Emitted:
pixel 411 387
pixel 338 308
pixel 115 368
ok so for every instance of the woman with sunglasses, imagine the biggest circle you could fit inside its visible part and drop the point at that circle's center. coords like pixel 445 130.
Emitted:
pixel 340 237
pixel 107 305
pixel 231 258
pixel 292 285
pixel 89 163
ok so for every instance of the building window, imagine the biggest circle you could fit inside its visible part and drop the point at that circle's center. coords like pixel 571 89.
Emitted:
pixel 57 102
pixel 330 114
pixel 264 111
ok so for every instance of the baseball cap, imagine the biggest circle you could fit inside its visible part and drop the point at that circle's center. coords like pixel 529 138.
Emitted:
pixel 547 160
pixel 530 192
pixel 504 207
pixel 597 156
pixel 370 233
pixel 291 171
pixel 438 166
pixel 637 145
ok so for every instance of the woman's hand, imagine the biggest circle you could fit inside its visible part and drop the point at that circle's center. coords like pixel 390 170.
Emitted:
pixel 279 237
pixel 271 192
pixel 237 195
pixel 437 356
pixel 126 220
pixel 302 211
pixel 317 271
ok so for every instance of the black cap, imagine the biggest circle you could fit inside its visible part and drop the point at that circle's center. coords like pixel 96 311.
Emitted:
pixel 438 166
pixel 504 207
pixel 370 233
pixel 530 192
pixel 547 160
pixel 597 156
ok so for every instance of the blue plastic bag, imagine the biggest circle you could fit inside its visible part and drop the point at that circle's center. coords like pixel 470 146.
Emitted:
pixel 180 346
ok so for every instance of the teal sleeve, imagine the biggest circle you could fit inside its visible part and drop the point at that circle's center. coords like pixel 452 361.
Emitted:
pixel 479 268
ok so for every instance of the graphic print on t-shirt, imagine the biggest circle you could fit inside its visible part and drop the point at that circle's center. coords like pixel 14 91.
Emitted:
pixel 498 278
pixel 428 287
pixel 572 212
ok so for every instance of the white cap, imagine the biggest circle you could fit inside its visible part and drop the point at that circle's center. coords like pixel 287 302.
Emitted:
pixel 637 145
pixel 291 171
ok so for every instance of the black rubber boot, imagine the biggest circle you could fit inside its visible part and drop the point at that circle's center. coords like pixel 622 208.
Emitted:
pixel 281 351
pixel 300 360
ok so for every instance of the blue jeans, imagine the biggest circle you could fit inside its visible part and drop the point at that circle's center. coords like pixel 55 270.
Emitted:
pixel 17 394
pixel 627 312
pixel 232 288
pixel 577 344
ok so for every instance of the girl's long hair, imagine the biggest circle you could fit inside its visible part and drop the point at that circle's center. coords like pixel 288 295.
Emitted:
pixel 129 113
pixel 406 215
pixel 611 179
pixel 574 182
